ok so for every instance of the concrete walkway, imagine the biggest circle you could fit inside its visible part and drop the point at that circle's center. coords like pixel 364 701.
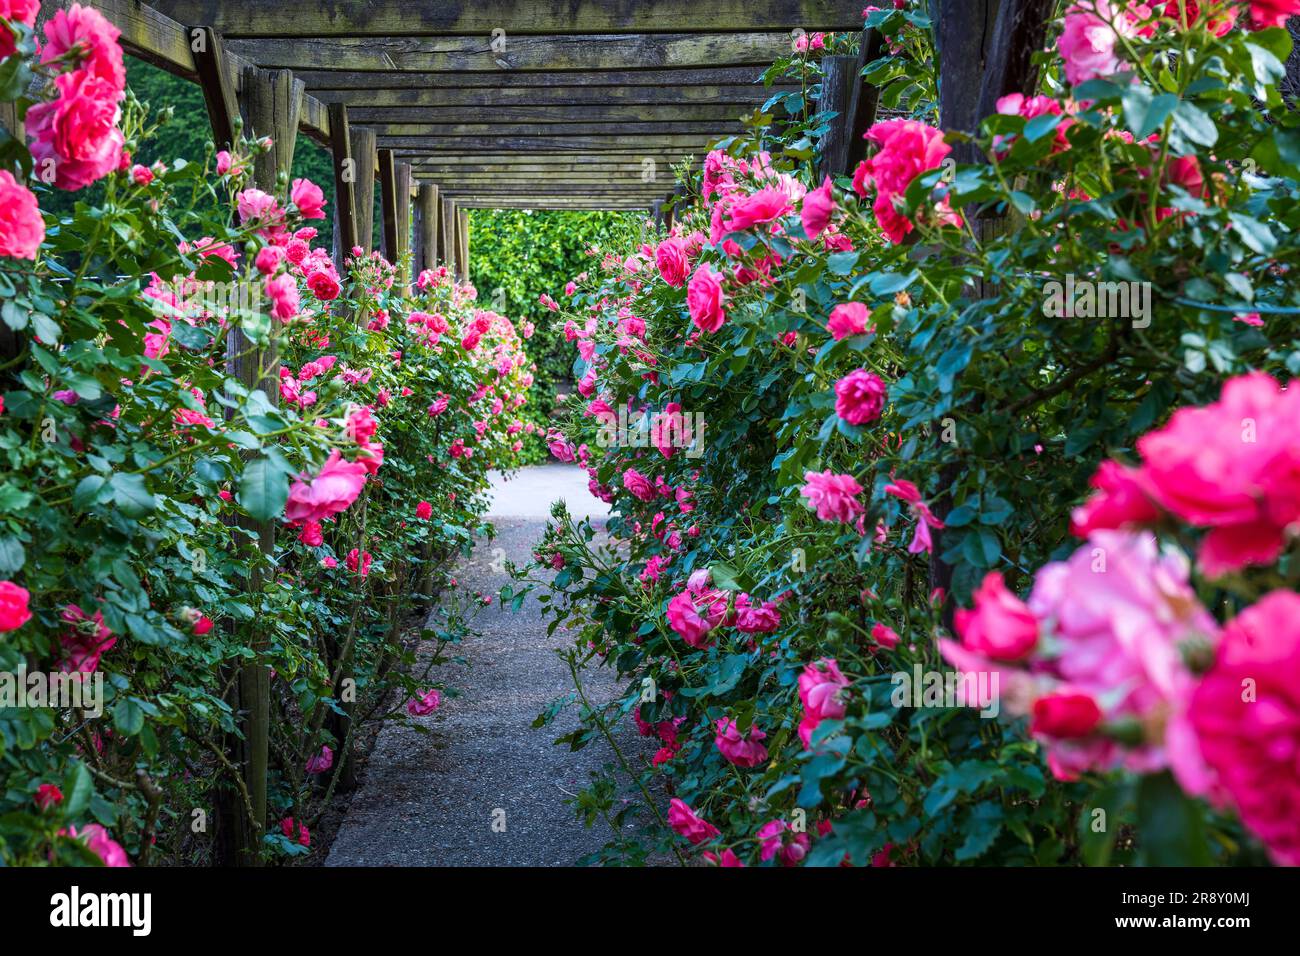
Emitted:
pixel 431 799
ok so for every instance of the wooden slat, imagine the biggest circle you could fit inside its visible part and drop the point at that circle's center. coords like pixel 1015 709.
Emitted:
pixel 462 54
pixel 628 157
pixel 525 144
pixel 546 115
pixel 706 128
pixel 319 77
pixel 212 67
pixel 345 171
pixel 287 18
pixel 489 98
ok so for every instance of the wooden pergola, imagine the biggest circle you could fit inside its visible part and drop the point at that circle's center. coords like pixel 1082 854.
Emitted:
pixel 452 106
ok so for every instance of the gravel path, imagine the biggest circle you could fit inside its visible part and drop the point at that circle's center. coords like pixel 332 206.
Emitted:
pixel 431 799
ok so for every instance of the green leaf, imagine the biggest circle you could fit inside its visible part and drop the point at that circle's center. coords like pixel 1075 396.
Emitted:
pixel 263 490
pixel 131 495
pixel 1170 831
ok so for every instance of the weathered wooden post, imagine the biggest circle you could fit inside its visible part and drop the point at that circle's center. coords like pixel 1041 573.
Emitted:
pixel 363 151
pixel 345 177
pixel 402 188
pixel 864 99
pixel 426 207
pixel 447 217
pixel 462 234
pixel 271 101
pixel 218 86
pixel 837 80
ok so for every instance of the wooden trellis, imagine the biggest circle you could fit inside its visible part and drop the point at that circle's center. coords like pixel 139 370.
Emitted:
pixel 581 104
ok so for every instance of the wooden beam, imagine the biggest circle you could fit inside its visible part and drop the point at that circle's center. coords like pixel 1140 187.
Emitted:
pixel 336 79
pixel 272 105
pixel 500 202
pixel 402 185
pixel 407 91
pixel 544 115
pixel 1019 32
pixel 427 227
pixel 447 222
pixel 392 18
pixel 865 97
pixel 463 54
pixel 218 86
pixel 612 141
pixel 833 149
pixel 961 32
pixel 706 128
pixel 364 151
pixel 625 158
pixel 462 233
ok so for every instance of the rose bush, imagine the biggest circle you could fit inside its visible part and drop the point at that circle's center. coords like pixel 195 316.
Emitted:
pixel 182 367
pixel 913 385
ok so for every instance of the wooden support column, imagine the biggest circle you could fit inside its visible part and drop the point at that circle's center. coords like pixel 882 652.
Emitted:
pixel 447 218
pixel 388 202
pixel 271 100
pixel 213 69
pixel 864 98
pixel 363 151
pixel 426 205
pixel 462 242
pixel 345 177
pixel 402 190
pixel 837 80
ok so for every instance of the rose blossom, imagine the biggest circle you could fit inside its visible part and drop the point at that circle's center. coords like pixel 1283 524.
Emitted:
pixel 14 611
pixel 76 136
pixel 743 751
pixel 97 839
pixel 309 198
pixel 333 489
pixel 425 704
pixel 848 318
pixel 22 229
pixel 818 206
pixel 16 11
pixel 705 299
pixel 1001 627
pixel 821 688
pixel 686 823
pixel 673 261
pixel 100 55
pixel 834 496
pixel 860 397
pixel 1088 40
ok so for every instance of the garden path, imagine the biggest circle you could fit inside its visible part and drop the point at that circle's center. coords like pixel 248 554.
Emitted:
pixel 431 799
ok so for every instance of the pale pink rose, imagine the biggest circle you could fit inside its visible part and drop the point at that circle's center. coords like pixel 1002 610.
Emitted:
pixel 860 397
pixel 1089 42
pixel 743 751
pixel 331 491
pixel 834 496
pixel 705 299
pixel 686 823
pixel 847 319
pixel 256 206
pixel 758 209
pixel 818 207
pixel 821 691
pixel 1244 718
pixel 22 229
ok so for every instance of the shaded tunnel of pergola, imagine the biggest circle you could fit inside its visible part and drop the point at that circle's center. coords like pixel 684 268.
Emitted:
pixel 538 104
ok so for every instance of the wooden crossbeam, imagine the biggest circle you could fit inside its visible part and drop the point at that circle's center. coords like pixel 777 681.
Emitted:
pixel 545 115
pixel 287 18
pixel 439 131
pixel 526 144
pixel 402 92
pixel 462 54
pixel 319 76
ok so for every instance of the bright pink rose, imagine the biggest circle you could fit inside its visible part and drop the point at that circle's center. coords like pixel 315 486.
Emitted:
pixel 1272 13
pixel 1233 467
pixel 1065 715
pixel 834 496
pixel 673 261
pixel 1245 718
pixel 324 285
pixel 424 511
pixel 705 299
pixel 13 607
pixel 860 397
pixel 300 833
pixel 309 198
pixel 425 704
pixel 76 136
pixel 1001 627
pixel 847 319
pixel 738 749
pixel 47 795
pixel 907 149
pixel 754 618
pixel 775 838
pixel 256 206
pixel 1189 13
pixel 685 823
pixel 16 11
pixel 97 839
pixel 1089 40
pixel 758 209
pixel 283 293
pixel 86 641
pixel 22 229
pixel 321 762
pixel 98 52
pixel 1123 499
pixel 821 687
pixel 818 206
pixel 269 259
pixel 638 485
pixel 885 636
pixel 141 175
pixel 332 490
pixel 695 612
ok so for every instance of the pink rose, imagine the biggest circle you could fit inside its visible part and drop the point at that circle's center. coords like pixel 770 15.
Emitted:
pixel 22 230
pixel 754 618
pixel 86 641
pixel 705 299
pixel 847 319
pixel 283 293
pixel 818 206
pixel 309 198
pixel 1065 715
pixel 300 833
pixel 1088 40
pixel 860 397
pixel 97 839
pixel 96 40
pixel 638 485
pixel 673 261
pixel 1245 721
pixel 269 259
pixel 332 490
pixel 774 838
pixel 821 687
pixel 425 704
pixel 687 824
pixel 1123 499
pixel 907 149
pixel 14 611
pixel 76 136
pixel 758 209
pixel 424 511
pixel 1001 627
pixel 16 11
pixel 324 285
pixel 321 762
pixel 1272 13
pixel 834 496
pixel 738 749
pixel 885 636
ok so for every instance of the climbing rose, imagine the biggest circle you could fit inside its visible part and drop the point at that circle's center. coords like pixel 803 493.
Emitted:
pixel 820 692
pixel 1220 22
pixel 332 490
pixel 705 299
pixel 97 839
pixel 885 636
pixel 1088 39
pixel 1065 715
pixel 424 511
pixel 1233 467
pixel 792 851
pixel 1272 13
pixel 758 209
pixel 76 136
pixel 309 198
pixel 13 607
pixel 1245 721
pixel 16 11
pixel 1001 627
pixel 425 704
pixel 22 230
pixel 283 293
pixel 834 496
pixel 696 611
pixel 737 748
pixel 324 285
pixel 848 318
pixel 673 262
pixel 96 40
pixel 860 397
pixel 48 795
pixel 756 618
pixel 303 835
pixel 817 209
pixel 86 641
pixel 1123 499
pixel 257 206
pixel 685 823
pixel 908 148
pixel 203 625
pixel 321 762
pixel 638 485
